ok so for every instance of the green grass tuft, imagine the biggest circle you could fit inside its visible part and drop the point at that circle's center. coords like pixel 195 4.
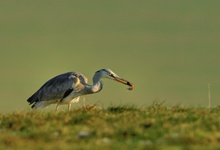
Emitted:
pixel 121 109
pixel 116 127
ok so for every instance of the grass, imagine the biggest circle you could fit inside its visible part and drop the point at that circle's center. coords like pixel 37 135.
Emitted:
pixel 116 127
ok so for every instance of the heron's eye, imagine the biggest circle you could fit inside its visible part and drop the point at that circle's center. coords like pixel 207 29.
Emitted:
pixel 111 75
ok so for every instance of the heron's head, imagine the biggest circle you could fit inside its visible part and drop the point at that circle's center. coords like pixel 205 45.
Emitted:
pixel 108 73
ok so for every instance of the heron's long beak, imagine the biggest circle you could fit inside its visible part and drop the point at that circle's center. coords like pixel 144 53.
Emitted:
pixel 131 85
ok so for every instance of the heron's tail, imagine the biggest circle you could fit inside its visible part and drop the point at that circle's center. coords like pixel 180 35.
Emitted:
pixel 32 100
pixel 40 104
pixel 36 103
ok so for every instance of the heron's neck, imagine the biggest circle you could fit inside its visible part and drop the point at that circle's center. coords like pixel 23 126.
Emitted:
pixel 96 87
pixel 97 84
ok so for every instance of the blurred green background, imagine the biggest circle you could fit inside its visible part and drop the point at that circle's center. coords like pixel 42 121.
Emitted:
pixel 169 49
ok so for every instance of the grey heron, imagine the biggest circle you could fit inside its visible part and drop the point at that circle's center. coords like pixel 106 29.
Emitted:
pixel 68 87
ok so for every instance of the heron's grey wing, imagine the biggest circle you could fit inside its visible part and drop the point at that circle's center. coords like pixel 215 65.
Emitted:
pixel 56 88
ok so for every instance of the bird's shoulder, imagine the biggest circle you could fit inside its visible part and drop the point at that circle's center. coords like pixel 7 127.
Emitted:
pixel 82 77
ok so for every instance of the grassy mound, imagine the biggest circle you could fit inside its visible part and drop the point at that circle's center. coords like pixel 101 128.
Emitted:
pixel 117 127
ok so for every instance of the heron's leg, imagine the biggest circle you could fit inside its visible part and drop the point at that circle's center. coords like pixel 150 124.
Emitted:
pixel 84 101
pixel 69 106
pixel 57 106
